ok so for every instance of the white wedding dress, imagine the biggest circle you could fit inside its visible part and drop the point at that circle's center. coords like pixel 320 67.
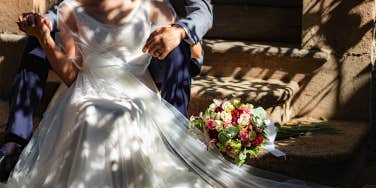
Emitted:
pixel 111 128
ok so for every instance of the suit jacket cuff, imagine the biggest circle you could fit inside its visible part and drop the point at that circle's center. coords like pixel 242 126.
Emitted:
pixel 189 38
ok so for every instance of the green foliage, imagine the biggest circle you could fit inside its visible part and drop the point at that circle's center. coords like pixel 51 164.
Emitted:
pixel 198 123
pixel 303 130
pixel 231 132
pixel 223 137
pixel 241 158
pixel 254 151
pixel 221 147
pixel 236 145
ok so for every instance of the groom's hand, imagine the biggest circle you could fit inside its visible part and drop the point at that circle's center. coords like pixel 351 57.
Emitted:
pixel 163 40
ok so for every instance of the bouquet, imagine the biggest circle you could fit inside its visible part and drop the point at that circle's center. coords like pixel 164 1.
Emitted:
pixel 235 128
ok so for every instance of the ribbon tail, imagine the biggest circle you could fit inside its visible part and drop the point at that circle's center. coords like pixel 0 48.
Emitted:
pixel 274 151
pixel 271 134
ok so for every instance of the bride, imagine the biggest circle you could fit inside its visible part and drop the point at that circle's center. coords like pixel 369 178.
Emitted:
pixel 111 128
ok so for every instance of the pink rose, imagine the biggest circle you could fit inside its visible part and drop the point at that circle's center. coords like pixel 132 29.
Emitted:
pixel 245 109
pixel 210 124
pixel 244 135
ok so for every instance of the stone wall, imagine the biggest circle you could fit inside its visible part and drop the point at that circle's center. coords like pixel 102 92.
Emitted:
pixel 9 12
pixel 340 88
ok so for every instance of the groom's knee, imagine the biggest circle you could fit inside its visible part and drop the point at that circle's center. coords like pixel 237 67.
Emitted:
pixel 174 66
pixel 180 55
pixel 177 63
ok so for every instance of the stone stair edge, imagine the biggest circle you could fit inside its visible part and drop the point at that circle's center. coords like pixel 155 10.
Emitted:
pixel 291 85
pixel 274 81
pixel 277 49
pixel 10 37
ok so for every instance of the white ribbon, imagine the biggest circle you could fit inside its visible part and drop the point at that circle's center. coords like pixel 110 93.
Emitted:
pixel 271 133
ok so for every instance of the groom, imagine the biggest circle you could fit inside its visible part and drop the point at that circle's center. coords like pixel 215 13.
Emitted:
pixel 171 68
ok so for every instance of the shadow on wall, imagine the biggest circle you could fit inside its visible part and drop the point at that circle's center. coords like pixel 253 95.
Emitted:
pixel 341 28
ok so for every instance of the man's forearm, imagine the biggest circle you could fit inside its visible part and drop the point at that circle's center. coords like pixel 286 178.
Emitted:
pixel 198 21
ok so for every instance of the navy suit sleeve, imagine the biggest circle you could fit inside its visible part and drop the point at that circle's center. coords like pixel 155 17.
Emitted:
pixel 198 21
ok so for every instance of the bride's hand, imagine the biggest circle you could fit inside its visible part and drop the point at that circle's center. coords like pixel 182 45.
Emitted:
pixel 34 24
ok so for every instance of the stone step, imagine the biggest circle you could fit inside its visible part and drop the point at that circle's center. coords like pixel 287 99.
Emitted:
pixel 273 95
pixel 329 159
pixel 239 59
pixel 256 22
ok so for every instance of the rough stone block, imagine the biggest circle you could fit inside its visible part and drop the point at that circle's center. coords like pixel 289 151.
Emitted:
pixel 273 95
pixel 241 59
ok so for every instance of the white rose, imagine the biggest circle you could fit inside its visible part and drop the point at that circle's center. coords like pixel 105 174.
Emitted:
pixel 218 125
pixel 217 102
pixel 226 117
pixel 212 106
pixel 227 106
pixel 244 119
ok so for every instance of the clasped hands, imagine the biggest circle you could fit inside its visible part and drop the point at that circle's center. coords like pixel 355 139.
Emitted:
pixel 34 24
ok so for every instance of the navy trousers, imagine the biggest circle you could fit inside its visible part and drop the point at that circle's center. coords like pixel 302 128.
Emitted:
pixel 172 76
